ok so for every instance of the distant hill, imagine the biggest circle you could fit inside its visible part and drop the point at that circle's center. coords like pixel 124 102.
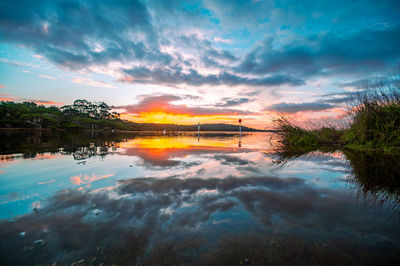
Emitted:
pixel 203 127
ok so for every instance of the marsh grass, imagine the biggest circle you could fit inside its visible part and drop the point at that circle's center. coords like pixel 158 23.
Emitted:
pixel 293 134
pixel 377 176
pixel 376 116
pixel 374 122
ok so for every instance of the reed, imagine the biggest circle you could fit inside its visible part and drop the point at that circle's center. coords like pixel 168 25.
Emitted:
pixel 374 122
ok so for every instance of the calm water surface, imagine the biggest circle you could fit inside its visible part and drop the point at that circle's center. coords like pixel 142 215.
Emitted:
pixel 180 199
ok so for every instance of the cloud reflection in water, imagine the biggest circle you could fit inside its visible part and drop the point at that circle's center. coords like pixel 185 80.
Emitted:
pixel 140 216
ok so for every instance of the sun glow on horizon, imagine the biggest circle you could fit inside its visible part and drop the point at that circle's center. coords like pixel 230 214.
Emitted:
pixel 181 119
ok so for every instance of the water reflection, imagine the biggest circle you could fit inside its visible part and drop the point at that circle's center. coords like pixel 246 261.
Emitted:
pixel 161 151
pixel 374 173
pixel 181 200
pixel 86 144
pixel 190 219
pixel 83 153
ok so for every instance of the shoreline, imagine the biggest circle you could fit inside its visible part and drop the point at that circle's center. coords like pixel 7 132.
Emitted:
pixel 124 131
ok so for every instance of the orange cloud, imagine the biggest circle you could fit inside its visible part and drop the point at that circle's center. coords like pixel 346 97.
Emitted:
pixel 12 98
pixel 43 102
pixel 7 99
pixel 162 104
pixel 47 77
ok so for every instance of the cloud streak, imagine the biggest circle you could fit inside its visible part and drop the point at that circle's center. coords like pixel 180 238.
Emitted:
pixel 90 82
pixel 298 107
pixel 47 77
pixel 228 102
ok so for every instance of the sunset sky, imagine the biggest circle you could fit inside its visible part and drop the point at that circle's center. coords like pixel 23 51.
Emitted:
pixel 198 61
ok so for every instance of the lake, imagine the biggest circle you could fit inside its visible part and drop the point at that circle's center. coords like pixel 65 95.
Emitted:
pixel 183 199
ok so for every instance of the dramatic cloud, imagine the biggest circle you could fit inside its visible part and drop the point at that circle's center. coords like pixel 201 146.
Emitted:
pixel 227 102
pixel 162 104
pixel 209 55
pixel 298 107
pixel 172 77
pixel 75 34
pixel 369 50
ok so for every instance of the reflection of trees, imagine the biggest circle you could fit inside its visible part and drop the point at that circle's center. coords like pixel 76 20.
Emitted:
pixel 81 146
pixel 86 152
pixel 375 173
pixel 283 155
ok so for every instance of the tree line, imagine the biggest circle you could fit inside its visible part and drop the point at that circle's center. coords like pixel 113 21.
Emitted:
pixel 81 114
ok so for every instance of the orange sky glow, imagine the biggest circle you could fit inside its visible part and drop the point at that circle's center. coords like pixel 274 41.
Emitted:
pixel 186 119
pixel 259 121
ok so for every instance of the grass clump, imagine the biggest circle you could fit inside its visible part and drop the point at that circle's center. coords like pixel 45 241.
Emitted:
pixel 293 134
pixel 375 123
pixel 376 118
